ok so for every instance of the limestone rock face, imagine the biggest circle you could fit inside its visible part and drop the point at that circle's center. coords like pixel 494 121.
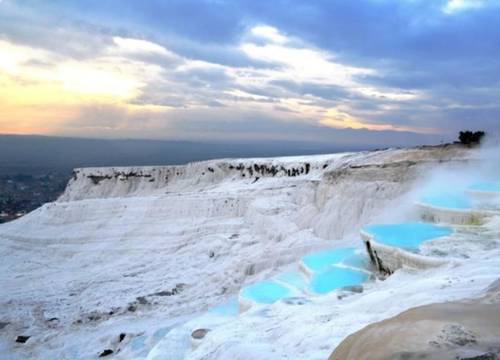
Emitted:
pixel 140 249
pixel 453 330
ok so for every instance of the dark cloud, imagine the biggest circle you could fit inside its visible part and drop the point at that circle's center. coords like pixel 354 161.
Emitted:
pixel 327 92
pixel 262 126
pixel 231 126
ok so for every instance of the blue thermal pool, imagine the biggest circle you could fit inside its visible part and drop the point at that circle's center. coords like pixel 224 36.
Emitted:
pixel 293 279
pixel 230 308
pixel 336 278
pixel 266 292
pixel 138 343
pixel 486 186
pixel 449 200
pixel 321 261
pixel 407 236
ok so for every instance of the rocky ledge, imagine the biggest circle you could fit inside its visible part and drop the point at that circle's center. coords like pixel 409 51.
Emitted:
pixel 464 330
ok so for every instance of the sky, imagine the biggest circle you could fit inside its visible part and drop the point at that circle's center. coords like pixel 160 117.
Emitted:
pixel 324 71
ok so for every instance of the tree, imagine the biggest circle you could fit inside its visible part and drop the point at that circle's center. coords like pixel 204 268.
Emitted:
pixel 470 137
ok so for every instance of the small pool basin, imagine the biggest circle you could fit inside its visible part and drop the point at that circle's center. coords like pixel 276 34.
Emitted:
pixel 407 236
pixel 266 292
pixel 230 308
pixel 321 261
pixel 293 279
pixel 457 200
pixel 335 278
pixel 491 187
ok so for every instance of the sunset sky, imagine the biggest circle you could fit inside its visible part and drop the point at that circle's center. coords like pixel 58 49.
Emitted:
pixel 217 69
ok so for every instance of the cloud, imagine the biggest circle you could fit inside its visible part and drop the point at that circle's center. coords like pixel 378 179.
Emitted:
pixel 370 65
pixel 109 75
pixel 269 33
pixel 139 46
pixel 461 5
pixel 337 118
pixel 305 64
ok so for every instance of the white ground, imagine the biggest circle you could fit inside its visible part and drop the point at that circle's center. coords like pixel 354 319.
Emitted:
pixel 86 258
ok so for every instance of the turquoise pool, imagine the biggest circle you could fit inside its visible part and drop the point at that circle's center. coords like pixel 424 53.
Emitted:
pixel 486 186
pixel 336 278
pixel 230 308
pixel 321 261
pixel 331 270
pixel 293 279
pixel 449 200
pixel 407 236
pixel 266 292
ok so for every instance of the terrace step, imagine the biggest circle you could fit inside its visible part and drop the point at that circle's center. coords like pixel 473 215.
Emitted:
pixel 319 273
pixel 337 277
pixel 468 207
pixel 392 246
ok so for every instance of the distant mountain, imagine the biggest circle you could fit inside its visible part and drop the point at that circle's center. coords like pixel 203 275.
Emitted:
pixel 39 154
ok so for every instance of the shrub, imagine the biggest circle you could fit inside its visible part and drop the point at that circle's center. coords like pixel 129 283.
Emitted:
pixel 470 137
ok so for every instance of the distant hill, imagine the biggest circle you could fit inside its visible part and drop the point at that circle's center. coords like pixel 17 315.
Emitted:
pixel 39 154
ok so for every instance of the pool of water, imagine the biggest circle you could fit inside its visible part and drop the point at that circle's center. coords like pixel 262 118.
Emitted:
pixel 230 308
pixel 335 278
pixel 266 292
pixel 407 236
pixel 486 186
pixel 449 200
pixel 321 261
pixel 357 260
pixel 160 333
pixel 138 343
pixel 293 279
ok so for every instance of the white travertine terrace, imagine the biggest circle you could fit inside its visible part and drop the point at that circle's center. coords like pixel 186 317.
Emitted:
pixel 145 250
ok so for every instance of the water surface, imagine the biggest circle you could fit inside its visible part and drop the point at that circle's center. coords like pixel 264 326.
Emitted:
pixel 407 236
